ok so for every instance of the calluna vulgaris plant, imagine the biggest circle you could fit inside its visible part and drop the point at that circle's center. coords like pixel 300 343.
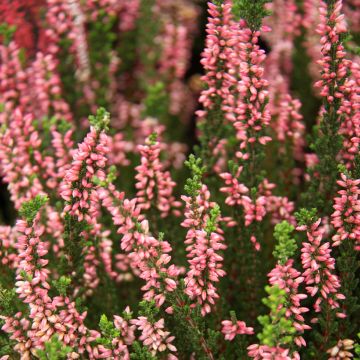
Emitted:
pixel 180 179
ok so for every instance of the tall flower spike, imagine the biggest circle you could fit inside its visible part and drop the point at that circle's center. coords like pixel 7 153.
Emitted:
pixel 88 162
pixel 278 332
pixel 310 20
pixel 217 61
pixel 350 110
pixel 288 278
pixel 18 167
pixel 204 241
pixel 79 191
pixel 63 144
pixel 333 87
pixel 332 26
pixel 47 316
pixel 251 110
pixel 285 281
pixel 12 81
pixel 288 128
pixel 43 89
pixel 32 275
pixel 154 185
pixel 149 257
pixel 319 269
pixel 346 217
pixel 8 256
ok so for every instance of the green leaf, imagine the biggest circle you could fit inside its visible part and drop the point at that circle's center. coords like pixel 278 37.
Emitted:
pixel 29 209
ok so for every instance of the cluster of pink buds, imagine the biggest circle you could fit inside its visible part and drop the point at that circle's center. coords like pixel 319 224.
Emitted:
pixel 79 191
pixel 32 287
pixel 332 26
pixel 88 162
pixel 286 277
pixel 149 257
pixel 234 189
pixel 127 336
pixel 251 111
pixel 59 23
pixel 310 21
pixel 279 207
pixel 62 144
pixel 175 50
pixel 43 92
pixel 19 169
pixel 290 126
pixel 78 36
pixel 12 80
pixel 342 350
pixel 238 195
pixel 285 110
pixel 220 41
pixel 58 315
pixel 154 337
pixel 350 111
pixel 204 241
pixel 262 352
pixel 196 214
pixel 205 269
pixel 255 210
pixel 318 264
pixel 230 329
pixel 346 217
pixel 8 256
pixel 154 185
pixel 18 326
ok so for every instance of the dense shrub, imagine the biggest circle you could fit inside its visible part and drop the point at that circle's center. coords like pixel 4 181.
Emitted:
pixel 209 208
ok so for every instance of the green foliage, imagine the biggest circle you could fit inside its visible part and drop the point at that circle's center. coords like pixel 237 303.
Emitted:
pixel 139 82
pixel 348 265
pixel 252 11
pixel 101 40
pixel 286 246
pixel 54 350
pixel 148 49
pixel 101 120
pixel 153 138
pixel 156 102
pixel 7 32
pixel 110 177
pixel 212 129
pixel 62 284
pixel 211 224
pixel 140 352
pixel 149 310
pixel 108 331
pixel 357 348
pixel 7 301
pixel 67 71
pixel 277 329
pixel 63 126
pixel 29 209
pixel 306 217
pixel 193 184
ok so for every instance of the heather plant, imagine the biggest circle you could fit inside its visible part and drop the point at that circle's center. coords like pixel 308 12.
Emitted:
pixel 179 180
